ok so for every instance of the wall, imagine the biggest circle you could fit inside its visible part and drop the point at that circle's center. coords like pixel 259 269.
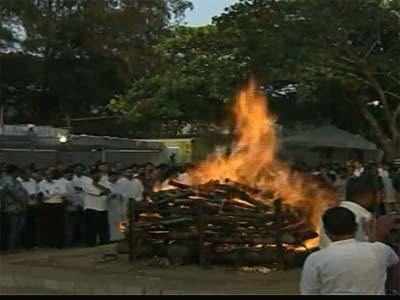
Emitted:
pixel 42 158
pixel 45 158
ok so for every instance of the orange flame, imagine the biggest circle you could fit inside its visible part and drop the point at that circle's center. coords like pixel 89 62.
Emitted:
pixel 253 161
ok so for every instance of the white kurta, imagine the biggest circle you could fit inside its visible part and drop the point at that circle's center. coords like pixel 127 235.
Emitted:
pixel 348 267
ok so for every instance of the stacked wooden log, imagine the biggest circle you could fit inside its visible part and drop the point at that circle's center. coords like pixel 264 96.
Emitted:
pixel 223 222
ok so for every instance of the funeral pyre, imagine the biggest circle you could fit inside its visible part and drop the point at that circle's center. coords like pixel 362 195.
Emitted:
pixel 245 207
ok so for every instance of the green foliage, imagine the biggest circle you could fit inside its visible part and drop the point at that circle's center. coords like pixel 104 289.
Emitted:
pixel 342 53
pixel 84 52
pixel 194 80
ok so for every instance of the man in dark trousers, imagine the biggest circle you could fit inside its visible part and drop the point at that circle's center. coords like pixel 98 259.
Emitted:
pixel 96 210
pixel 14 199
pixel 52 193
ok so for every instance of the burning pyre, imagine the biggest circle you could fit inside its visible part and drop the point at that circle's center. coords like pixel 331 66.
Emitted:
pixel 247 201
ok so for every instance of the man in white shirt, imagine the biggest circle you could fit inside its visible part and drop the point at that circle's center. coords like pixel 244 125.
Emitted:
pixel 73 210
pixel 52 191
pixel 79 182
pixel 116 202
pixel 133 190
pixel 30 232
pixel 346 266
pixel 95 207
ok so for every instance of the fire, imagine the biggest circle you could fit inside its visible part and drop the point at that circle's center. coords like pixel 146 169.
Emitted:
pixel 253 161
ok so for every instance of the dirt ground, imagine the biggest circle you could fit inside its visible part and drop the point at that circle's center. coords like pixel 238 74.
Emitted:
pixel 81 271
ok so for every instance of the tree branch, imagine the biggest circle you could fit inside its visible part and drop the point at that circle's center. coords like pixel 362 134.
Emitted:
pixel 392 94
pixel 386 108
pixel 380 134
pixel 396 80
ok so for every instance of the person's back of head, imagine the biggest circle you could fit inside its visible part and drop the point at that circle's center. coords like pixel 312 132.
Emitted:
pixel 339 223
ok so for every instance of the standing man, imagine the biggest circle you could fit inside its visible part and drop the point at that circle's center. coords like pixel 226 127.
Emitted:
pixel 31 225
pixel 95 207
pixel 14 200
pixel 116 202
pixel 73 210
pixel 346 266
pixel 80 180
pixel 134 192
pixel 52 216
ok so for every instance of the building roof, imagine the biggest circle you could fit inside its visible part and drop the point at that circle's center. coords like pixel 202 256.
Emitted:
pixel 77 143
pixel 24 129
pixel 329 137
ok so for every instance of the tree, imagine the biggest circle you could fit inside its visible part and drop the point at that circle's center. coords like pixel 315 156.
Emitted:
pixel 352 44
pixel 196 77
pixel 87 50
pixel 362 55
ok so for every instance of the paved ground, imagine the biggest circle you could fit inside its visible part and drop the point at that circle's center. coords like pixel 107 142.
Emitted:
pixel 79 271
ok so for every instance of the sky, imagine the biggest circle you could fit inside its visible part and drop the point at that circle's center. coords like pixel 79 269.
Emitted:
pixel 204 10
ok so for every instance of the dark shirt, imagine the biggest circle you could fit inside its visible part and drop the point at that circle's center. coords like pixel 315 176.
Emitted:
pixel 13 197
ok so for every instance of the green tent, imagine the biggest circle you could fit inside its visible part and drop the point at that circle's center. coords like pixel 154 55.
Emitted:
pixel 329 137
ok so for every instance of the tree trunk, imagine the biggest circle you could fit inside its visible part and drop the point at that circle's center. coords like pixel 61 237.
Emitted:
pixel 393 150
pixel 390 144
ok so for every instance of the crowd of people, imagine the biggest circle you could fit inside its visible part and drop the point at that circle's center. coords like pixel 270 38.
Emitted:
pixel 78 205
pixel 385 178
pixel 65 206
